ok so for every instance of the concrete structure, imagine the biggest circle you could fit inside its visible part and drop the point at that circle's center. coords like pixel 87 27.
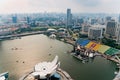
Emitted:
pixel 93 21
pixel 69 18
pixel 28 19
pixel 95 32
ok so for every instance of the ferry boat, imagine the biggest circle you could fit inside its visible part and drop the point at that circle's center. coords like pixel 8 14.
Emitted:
pixel 47 71
pixel 4 76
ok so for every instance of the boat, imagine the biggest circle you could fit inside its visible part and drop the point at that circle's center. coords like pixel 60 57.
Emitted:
pixel 79 57
pixel 4 76
pixel 47 71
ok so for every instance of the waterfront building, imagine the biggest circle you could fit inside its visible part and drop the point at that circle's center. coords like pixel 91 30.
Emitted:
pixel 111 29
pixel 69 18
pixel 95 33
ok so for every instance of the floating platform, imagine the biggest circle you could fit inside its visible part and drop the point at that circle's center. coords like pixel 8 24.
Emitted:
pixel 47 71
pixel 63 75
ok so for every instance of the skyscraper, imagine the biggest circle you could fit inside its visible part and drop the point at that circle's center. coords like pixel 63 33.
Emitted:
pixel 28 19
pixel 14 19
pixel 119 18
pixel 111 29
pixel 69 18
pixel 118 34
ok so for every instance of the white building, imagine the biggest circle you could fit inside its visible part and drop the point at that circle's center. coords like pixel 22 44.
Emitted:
pixel 95 33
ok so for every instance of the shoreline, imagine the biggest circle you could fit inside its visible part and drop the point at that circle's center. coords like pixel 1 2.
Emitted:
pixel 67 40
pixel 115 60
pixel 7 37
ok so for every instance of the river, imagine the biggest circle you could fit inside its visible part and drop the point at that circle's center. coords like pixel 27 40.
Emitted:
pixel 19 56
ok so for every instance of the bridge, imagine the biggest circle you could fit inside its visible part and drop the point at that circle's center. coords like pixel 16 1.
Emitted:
pixel 19 35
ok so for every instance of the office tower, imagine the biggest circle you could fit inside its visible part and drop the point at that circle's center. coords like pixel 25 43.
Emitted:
pixel 118 34
pixel 111 29
pixel 93 21
pixel 14 19
pixel 28 19
pixel 95 33
pixel 119 18
pixel 69 18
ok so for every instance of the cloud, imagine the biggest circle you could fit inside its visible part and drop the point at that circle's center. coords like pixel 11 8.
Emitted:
pixel 89 3
pixel 13 6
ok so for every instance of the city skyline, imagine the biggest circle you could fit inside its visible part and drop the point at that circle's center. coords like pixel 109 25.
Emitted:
pixel 77 6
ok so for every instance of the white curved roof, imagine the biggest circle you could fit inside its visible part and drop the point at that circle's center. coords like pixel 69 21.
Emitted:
pixel 2 78
pixel 46 68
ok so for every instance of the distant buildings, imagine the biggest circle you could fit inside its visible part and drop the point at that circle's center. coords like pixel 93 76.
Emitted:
pixel 14 19
pixel 111 29
pixel 28 19
pixel 93 21
pixel 69 18
pixel 7 30
pixel 95 33
pixel 118 34
pixel 85 28
pixel 108 18
pixel 119 18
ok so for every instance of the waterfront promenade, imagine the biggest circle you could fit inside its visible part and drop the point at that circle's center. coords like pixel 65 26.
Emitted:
pixel 22 34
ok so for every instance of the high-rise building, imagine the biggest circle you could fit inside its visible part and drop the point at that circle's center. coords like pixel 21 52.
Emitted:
pixel 95 33
pixel 111 29
pixel 69 18
pixel 108 18
pixel 118 34
pixel 14 19
pixel 119 18
pixel 28 19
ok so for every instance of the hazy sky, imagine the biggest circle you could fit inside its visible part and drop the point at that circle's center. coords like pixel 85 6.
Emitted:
pixel 91 6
